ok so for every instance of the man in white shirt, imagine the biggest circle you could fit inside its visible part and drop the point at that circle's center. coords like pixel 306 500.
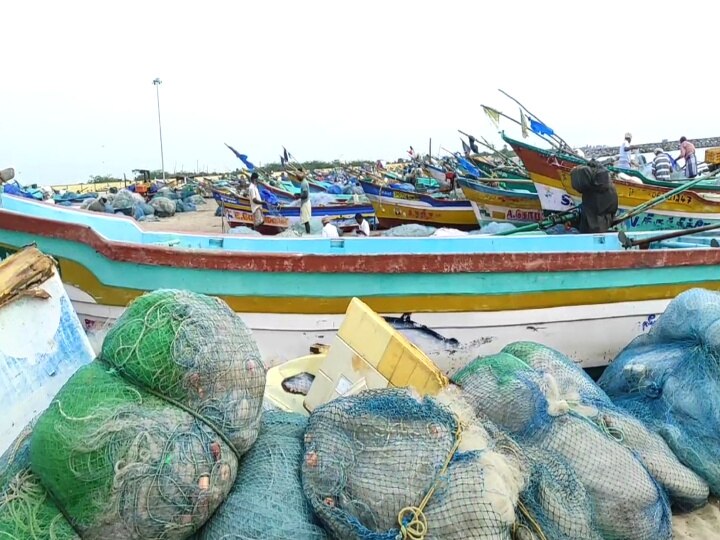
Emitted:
pixel 363 226
pixel 255 201
pixel 329 230
pixel 625 151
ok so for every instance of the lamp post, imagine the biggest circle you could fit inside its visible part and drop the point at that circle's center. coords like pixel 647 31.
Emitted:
pixel 157 82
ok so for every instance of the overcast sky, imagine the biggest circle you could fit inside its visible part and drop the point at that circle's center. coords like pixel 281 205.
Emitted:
pixel 337 79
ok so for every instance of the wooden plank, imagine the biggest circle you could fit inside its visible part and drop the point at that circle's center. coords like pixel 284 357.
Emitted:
pixel 22 273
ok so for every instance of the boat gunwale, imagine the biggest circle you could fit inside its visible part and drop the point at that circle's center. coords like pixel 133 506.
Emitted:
pixel 379 263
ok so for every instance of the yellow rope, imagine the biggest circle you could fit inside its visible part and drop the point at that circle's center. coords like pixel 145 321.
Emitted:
pixel 417 527
pixel 531 520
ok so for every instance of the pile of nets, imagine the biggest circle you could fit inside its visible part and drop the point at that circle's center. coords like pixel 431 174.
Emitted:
pixel 596 472
pixel 125 199
pixel 410 229
pixel 267 501
pixel 670 379
pixel 387 460
pixel 26 510
pixel 144 442
pixel 163 206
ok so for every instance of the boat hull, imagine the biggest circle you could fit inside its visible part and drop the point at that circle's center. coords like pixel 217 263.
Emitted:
pixel 551 176
pixel 467 335
pixel 395 207
pixel 501 205
pixel 294 291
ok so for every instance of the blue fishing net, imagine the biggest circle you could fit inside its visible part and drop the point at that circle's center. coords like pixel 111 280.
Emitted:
pixel 267 500
pixel 585 481
pixel 670 379
pixel 371 459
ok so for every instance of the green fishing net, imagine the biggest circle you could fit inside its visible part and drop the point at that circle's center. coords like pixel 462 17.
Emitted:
pixel 144 442
pixel 267 501
pixel 26 510
pixel 195 350
pixel 125 464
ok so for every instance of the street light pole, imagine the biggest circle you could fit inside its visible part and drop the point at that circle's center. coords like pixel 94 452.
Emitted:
pixel 157 82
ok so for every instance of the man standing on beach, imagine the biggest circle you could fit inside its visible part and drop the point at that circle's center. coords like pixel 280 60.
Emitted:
pixel 687 152
pixel 255 201
pixel 625 150
pixel 305 207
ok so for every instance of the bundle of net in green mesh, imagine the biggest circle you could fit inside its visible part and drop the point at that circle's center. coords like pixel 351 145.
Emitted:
pixel 144 442
pixel 26 510
pixel 267 501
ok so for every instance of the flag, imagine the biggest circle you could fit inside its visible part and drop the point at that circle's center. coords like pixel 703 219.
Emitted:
pixel 523 124
pixel 285 158
pixel 473 146
pixel 282 160
pixel 241 157
pixel 466 148
pixel 493 115
pixel 540 129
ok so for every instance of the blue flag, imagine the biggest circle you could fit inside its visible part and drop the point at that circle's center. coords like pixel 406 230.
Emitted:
pixel 241 157
pixel 540 129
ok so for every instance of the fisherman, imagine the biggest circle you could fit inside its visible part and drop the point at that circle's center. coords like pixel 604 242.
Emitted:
pixel 363 226
pixel 305 206
pixel 625 150
pixel 255 201
pixel 687 152
pixel 329 230
pixel 661 165
pixel 599 198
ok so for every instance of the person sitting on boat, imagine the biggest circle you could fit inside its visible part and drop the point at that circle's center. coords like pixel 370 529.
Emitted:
pixel 363 226
pixel 625 152
pixel 661 165
pixel 599 198
pixel 687 152
pixel 305 206
pixel 255 201
pixel 329 230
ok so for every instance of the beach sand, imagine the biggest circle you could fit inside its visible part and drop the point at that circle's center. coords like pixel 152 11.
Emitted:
pixel 703 524
pixel 203 220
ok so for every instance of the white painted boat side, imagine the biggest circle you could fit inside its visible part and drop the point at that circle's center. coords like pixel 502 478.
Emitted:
pixel 590 334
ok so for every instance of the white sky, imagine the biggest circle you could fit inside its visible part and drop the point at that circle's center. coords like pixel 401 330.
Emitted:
pixel 337 79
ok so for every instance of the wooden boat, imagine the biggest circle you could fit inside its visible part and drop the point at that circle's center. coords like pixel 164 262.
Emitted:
pixel 42 342
pixel 497 203
pixel 280 217
pixel 397 207
pixel 473 294
pixel 438 173
pixel 550 172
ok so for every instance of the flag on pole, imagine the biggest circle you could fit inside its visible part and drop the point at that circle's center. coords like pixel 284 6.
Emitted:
pixel 524 124
pixel 493 115
pixel 241 157
pixel 466 149
pixel 540 129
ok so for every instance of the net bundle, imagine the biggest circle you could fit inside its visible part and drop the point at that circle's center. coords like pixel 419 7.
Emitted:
pixel 386 464
pixel 267 500
pixel 584 482
pixel 669 378
pixel 144 442
pixel 26 510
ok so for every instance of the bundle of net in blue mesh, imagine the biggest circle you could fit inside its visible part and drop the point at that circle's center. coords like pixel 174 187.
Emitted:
pixel 595 471
pixel 670 379
pixel 267 500
pixel 386 464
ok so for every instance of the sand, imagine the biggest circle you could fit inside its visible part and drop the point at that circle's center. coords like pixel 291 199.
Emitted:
pixel 201 221
pixel 703 524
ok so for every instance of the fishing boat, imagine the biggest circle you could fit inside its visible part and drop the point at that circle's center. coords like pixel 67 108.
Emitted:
pixel 513 202
pixel 280 217
pixel 438 173
pixel 395 207
pixel 586 295
pixel 42 342
pixel 550 172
